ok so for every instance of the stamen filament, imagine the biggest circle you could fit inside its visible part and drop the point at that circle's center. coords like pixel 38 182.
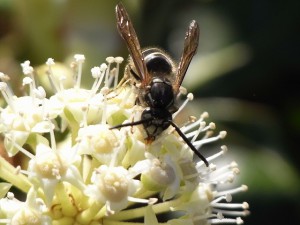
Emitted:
pixel 139 212
pixel 79 60
pixel 109 60
pixel 23 150
pixel 9 174
pixel 118 60
pixel 226 221
pixel 191 126
pixel 50 74
pixel 190 97
pixel 243 205
pixel 7 95
pixel 201 142
pixel 242 188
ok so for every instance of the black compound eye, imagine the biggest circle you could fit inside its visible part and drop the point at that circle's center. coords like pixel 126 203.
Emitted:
pixel 158 63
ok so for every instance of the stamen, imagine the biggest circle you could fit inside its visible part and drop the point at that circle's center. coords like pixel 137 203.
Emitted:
pixel 112 75
pixel 79 60
pixel 50 62
pixel 202 128
pixel 109 211
pixel 51 132
pixel 20 171
pixel 229 177
pixel 232 213
pixel 4 77
pixel 222 134
pixel 104 91
pixel 190 97
pixel 21 149
pixel 28 71
pixel 228 198
pixel 232 167
pixel 149 201
pixel 242 188
pixel 213 157
pixel 118 60
pixel 84 113
pixel 109 60
pixel 10 195
pixel 7 95
pixel 28 81
pixel 191 126
pixel 61 82
pixel 56 173
pixel 24 121
pixel 243 205
pixel 226 221
pixel 98 73
pixel 40 93
pixel 182 91
pixel 196 133
pixel 201 142
pixel 223 197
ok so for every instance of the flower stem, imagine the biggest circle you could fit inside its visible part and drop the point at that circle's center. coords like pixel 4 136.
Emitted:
pixel 9 173
pixel 140 212
pixel 113 222
pixel 68 209
pixel 86 216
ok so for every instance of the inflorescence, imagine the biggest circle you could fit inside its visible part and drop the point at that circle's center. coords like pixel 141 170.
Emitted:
pixel 97 175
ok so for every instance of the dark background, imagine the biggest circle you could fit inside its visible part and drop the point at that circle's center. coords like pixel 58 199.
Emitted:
pixel 246 73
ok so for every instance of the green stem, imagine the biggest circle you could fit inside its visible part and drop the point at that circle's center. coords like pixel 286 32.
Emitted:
pixel 8 173
pixel 113 222
pixel 140 212
pixel 74 133
pixel 143 193
pixel 68 209
pixel 101 213
pixel 86 216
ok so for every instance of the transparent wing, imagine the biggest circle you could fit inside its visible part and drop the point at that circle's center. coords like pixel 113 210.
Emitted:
pixel 127 32
pixel 190 47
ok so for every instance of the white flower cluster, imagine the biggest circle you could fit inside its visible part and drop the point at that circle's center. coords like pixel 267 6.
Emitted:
pixel 97 175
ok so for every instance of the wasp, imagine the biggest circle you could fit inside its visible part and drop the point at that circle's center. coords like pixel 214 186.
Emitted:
pixel 156 78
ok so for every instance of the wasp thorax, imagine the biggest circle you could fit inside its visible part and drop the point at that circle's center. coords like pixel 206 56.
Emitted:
pixel 160 94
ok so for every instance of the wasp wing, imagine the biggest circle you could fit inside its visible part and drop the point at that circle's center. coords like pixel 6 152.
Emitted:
pixel 189 50
pixel 127 32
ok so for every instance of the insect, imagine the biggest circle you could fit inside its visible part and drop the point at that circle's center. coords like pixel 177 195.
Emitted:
pixel 156 78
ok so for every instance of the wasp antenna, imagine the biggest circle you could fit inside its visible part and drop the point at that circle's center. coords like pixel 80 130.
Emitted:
pixel 187 141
